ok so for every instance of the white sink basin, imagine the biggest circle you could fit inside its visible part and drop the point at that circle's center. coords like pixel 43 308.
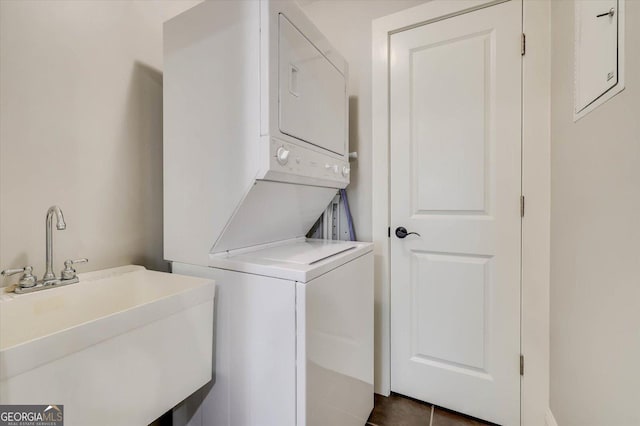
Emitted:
pixel 121 347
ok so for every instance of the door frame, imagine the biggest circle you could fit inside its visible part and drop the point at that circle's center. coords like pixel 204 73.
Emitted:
pixel 536 184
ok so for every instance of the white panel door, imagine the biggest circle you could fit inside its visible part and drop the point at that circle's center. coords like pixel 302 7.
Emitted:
pixel 455 180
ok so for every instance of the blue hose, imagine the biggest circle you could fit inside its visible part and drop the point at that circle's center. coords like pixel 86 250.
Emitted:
pixel 345 200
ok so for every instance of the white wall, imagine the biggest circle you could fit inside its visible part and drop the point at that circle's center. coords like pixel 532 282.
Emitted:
pixel 595 281
pixel 347 25
pixel 81 127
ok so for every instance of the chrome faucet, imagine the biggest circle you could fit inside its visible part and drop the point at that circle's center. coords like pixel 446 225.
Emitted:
pixel 28 282
pixel 60 226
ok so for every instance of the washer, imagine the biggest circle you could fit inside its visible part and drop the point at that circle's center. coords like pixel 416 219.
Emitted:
pixel 293 336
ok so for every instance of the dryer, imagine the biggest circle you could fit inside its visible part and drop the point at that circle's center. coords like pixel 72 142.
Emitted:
pixel 255 125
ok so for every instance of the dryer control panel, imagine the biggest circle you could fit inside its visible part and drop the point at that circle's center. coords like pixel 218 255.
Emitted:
pixel 303 164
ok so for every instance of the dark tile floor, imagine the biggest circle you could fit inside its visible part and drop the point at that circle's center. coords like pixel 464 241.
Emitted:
pixel 398 410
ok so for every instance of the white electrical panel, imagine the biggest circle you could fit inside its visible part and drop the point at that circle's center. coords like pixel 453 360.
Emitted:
pixel 599 53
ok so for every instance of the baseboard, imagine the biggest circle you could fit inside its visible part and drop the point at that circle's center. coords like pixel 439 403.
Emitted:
pixel 549 420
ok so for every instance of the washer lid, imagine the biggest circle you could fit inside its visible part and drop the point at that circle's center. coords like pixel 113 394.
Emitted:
pixel 299 260
pixel 303 252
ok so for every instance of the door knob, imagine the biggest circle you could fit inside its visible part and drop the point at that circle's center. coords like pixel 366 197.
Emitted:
pixel 401 232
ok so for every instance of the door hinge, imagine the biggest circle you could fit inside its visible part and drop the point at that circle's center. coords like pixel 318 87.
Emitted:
pixel 523 44
pixel 522 206
pixel 521 365
pixel 389 232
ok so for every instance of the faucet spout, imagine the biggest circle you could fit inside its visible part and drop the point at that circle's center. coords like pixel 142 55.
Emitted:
pixel 60 225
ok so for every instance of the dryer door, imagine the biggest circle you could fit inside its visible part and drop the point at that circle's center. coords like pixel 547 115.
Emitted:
pixel 312 92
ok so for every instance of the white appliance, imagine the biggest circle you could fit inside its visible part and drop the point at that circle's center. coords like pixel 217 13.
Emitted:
pixel 255 110
pixel 294 341
pixel 255 148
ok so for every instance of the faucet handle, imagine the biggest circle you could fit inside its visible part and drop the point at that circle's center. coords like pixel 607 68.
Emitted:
pixel 69 273
pixel 26 280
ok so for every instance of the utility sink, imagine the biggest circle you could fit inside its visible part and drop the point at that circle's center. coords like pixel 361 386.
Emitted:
pixel 121 347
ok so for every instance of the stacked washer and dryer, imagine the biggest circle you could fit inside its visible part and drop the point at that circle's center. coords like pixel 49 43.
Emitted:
pixel 255 148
